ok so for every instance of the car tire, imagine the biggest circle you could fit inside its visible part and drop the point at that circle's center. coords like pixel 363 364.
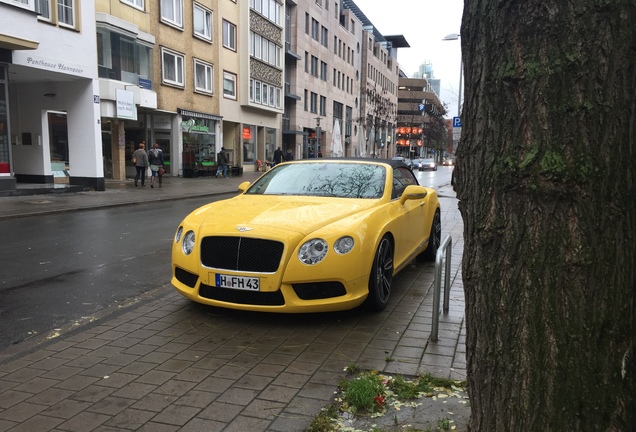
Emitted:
pixel 381 278
pixel 435 239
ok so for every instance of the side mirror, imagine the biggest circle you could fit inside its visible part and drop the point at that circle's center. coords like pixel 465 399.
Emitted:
pixel 243 186
pixel 413 192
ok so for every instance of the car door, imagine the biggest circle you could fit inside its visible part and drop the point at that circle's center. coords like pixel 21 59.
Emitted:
pixel 408 227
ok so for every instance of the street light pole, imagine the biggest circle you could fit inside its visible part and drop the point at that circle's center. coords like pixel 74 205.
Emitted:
pixel 450 37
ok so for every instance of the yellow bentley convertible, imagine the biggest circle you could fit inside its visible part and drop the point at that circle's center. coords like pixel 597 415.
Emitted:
pixel 308 236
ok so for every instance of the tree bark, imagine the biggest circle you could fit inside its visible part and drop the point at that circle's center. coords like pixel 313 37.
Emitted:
pixel 546 182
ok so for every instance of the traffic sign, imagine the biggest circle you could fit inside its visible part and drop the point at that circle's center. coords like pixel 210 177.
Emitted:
pixel 422 107
pixel 457 122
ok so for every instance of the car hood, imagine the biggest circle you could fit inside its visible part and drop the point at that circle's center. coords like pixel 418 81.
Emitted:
pixel 300 214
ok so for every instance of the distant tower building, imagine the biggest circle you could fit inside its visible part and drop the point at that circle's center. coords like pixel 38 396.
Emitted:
pixel 426 71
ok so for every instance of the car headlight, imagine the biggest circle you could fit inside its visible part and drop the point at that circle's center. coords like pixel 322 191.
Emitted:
pixel 343 245
pixel 177 237
pixel 188 243
pixel 313 251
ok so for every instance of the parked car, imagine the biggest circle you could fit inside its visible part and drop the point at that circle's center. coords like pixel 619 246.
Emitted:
pixel 311 235
pixel 428 165
pixel 407 161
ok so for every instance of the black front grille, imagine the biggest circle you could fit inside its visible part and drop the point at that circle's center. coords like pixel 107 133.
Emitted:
pixel 319 290
pixel 185 277
pixel 241 254
pixel 230 295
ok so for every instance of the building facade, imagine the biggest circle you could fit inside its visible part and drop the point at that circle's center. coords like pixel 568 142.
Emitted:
pixel 49 94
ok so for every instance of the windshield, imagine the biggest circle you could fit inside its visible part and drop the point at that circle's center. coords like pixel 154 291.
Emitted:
pixel 341 180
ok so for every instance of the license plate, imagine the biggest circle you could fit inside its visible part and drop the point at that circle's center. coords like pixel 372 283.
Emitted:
pixel 237 282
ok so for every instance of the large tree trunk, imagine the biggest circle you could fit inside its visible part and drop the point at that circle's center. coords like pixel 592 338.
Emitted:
pixel 546 183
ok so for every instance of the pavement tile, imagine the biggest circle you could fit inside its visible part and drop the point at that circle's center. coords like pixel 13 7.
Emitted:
pixel 139 349
pixel 111 405
pixel 85 361
pixel 193 374
pixel 327 377
pixel 154 402
pixel 239 396
pixel 317 391
pixel 174 366
pixel 66 409
pixel 84 421
pixel 7 385
pixel 93 393
pixel 220 410
pixel 407 353
pixel 5 425
pixel 268 370
pixel 135 390
pixel 126 342
pixel 36 385
pixel 23 375
pixel 264 409
pixel 155 377
pixel 13 397
pixel 199 424
pixel 138 368
pixel 116 380
pixel 198 399
pixel 111 335
pixel 76 382
pixel 244 423
pixel 71 353
pixel 156 357
pixel 36 356
pixel 278 393
pixel 293 380
pixel 157 427
pixel 121 359
pixel 100 370
pixel 294 422
pixel 175 387
pixel 37 423
pixel 50 396
pixel 176 415
pixel 92 343
pixel 107 351
pixel 305 406
pixel 21 412
pixel 129 418
pixel 190 355
pixel 62 372
pixel 173 347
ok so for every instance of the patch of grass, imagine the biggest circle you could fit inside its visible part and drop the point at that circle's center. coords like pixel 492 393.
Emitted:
pixel 369 393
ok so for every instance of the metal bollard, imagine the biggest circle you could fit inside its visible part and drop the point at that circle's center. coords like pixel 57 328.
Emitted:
pixel 445 247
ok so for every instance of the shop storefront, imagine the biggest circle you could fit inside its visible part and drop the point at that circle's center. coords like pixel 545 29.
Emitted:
pixel 199 137
pixel 5 143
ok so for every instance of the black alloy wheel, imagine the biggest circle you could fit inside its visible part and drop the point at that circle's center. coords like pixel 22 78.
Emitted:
pixel 435 239
pixel 381 278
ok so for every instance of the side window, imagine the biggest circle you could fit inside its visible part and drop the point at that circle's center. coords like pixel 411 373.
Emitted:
pixel 402 177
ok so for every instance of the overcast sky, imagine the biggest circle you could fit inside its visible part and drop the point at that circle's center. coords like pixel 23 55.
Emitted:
pixel 424 23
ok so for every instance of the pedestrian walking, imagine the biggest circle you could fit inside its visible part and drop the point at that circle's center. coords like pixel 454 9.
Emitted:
pixel 140 161
pixel 221 160
pixel 155 159
pixel 278 156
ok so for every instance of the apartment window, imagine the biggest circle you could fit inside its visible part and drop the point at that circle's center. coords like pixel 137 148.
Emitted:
pixel 306 23
pixel 313 103
pixel 323 106
pixel 323 71
pixel 172 12
pixel 229 85
pixel 202 22
pixel 265 49
pixel 265 99
pixel 43 7
pixel 324 38
pixel 335 44
pixel 272 96
pixel 272 53
pixel 66 12
pixel 353 26
pixel 172 67
pixel 306 61
pixel 203 77
pixel 314 66
pixel 257 97
pixel 306 100
pixel 229 35
pixel 314 29
pixel 139 4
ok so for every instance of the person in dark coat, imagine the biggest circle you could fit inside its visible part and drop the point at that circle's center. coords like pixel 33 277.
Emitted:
pixel 221 160
pixel 278 156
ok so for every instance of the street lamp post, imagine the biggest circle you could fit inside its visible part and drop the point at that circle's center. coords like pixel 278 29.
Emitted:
pixel 450 37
